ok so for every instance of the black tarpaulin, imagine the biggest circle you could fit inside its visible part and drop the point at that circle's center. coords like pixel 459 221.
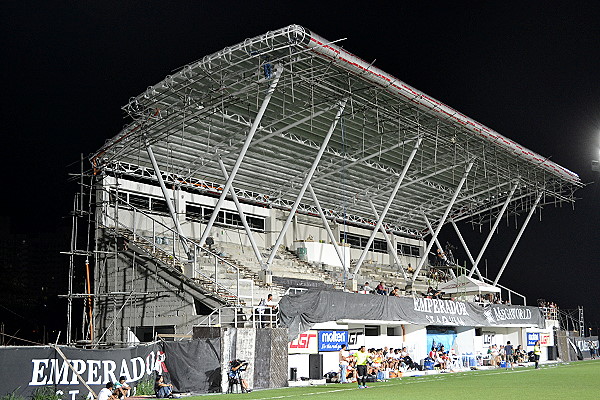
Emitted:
pixel 299 312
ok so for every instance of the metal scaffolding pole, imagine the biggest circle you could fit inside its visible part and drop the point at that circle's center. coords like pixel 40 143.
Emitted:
pixel 165 193
pixel 327 228
pixel 306 182
pixel 391 246
pixel 242 216
pixel 514 245
pixel 436 240
pixel 489 237
pixel 240 158
pixel 442 221
pixel 462 240
pixel 363 255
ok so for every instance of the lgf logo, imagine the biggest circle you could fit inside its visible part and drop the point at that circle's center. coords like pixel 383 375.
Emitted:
pixel 303 341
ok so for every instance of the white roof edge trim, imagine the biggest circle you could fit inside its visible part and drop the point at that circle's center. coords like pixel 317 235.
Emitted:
pixel 392 84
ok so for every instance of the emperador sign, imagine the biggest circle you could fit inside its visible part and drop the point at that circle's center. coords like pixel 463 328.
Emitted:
pixel 301 311
pixel 25 369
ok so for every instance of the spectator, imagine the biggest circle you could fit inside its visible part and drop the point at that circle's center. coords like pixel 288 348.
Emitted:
pixel 122 389
pixel 380 289
pixel 367 288
pixel 107 392
pixel 161 389
pixel 433 293
pixel 509 352
pixel 344 356
pixel 395 292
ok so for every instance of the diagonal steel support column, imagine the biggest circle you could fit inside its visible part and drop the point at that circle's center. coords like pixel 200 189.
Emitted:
pixel 391 246
pixel 238 162
pixel 363 255
pixel 493 230
pixel 309 176
pixel 443 220
pixel 512 249
pixel 333 239
pixel 165 193
pixel 242 216
pixel 439 245
pixel 462 240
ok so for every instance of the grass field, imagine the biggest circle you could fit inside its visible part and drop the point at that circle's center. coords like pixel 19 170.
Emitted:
pixel 579 380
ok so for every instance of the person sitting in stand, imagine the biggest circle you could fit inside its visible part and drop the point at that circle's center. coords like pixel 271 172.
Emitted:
pixel 161 389
pixel 122 389
pixel 380 289
pixel 367 289
pixel 107 392
pixel 410 269
pixel 395 292
pixel 433 293
pixel 520 354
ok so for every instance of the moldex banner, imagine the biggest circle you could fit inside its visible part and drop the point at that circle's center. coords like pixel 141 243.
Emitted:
pixel 23 370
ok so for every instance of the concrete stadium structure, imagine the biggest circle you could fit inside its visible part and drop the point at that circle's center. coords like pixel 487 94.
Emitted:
pixel 286 162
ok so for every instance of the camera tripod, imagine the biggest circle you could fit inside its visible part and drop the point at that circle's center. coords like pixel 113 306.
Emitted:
pixel 235 378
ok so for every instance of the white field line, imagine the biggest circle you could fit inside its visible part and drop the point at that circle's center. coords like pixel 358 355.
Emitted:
pixel 418 379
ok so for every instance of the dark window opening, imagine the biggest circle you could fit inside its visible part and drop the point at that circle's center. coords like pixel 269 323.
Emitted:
pixel 141 202
pixel 160 206
pixel 371 330
pixel 360 242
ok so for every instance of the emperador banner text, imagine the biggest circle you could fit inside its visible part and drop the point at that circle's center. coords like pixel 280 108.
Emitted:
pixel 188 365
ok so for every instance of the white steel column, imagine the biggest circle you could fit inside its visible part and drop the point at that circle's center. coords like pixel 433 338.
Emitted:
pixel 242 216
pixel 165 193
pixel 439 245
pixel 487 240
pixel 363 255
pixel 306 182
pixel 512 249
pixel 391 246
pixel 462 240
pixel 442 221
pixel 333 239
pixel 240 158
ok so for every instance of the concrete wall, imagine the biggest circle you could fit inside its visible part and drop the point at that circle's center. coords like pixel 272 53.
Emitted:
pixel 303 227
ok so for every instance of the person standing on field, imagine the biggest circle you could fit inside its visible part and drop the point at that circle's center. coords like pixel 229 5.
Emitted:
pixel 343 364
pixel 537 351
pixel 362 357
pixel 510 355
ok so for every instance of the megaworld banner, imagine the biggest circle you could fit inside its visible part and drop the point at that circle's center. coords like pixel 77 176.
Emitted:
pixel 27 369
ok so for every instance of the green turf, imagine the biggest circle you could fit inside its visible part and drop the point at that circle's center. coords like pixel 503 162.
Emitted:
pixel 577 380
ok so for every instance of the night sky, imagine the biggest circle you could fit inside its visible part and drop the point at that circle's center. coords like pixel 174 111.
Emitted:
pixel 529 70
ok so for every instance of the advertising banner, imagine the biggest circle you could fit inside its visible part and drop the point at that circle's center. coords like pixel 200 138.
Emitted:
pixel 25 370
pixel 532 337
pixel 300 312
pixel 332 340
pixel 304 343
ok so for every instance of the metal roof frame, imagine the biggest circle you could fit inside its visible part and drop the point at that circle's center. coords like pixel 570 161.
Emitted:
pixel 204 112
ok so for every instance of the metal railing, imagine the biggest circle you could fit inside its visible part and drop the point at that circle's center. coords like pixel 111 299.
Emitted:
pixel 160 230
pixel 242 317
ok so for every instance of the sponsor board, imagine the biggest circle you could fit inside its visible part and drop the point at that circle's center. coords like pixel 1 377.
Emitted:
pixel 332 340
pixel 532 337
pixel 305 343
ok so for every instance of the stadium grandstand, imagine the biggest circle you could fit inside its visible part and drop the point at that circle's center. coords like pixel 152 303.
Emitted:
pixel 285 164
